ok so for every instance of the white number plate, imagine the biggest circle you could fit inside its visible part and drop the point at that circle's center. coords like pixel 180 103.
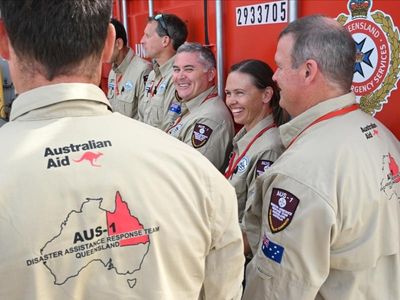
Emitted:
pixel 262 13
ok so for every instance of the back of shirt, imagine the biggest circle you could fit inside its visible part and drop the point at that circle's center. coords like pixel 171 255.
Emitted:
pixel 88 213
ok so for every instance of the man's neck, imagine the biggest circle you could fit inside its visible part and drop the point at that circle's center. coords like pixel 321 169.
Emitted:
pixel 31 80
pixel 165 56
pixel 121 56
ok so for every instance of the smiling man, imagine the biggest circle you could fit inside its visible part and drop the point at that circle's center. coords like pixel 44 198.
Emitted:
pixel 203 120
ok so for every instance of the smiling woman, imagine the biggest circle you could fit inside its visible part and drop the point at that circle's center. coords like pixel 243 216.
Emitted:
pixel 253 99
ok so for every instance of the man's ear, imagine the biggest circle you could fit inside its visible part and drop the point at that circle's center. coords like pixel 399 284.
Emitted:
pixel 310 70
pixel 119 43
pixel 165 41
pixel 4 42
pixel 109 44
pixel 211 74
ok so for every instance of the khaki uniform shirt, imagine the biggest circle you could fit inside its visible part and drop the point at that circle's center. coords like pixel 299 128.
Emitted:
pixel 329 210
pixel 206 125
pixel 89 213
pixel 159 94
pixel 126 84
pixel 259 157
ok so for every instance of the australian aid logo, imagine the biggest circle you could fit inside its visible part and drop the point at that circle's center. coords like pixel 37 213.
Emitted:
pixel 377 67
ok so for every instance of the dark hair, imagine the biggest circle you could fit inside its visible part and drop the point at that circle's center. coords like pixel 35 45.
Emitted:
pixel 328 43
pixel 59 35
pixel 176 29
pixel 261 75
pixel 120 32
pixel 206 56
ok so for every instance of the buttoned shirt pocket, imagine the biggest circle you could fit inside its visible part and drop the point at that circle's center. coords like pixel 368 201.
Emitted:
pixel 259 282
pixel 128 101
pixel 125 103
pixel 155 113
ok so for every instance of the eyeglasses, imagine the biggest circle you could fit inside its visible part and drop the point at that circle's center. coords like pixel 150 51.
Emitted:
pixel 159 18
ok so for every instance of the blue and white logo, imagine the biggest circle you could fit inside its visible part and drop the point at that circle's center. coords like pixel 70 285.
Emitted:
pixel 242 166
pixel 128 86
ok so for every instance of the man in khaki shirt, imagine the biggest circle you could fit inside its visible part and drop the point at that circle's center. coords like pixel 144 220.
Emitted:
pixel 328 210
pixel 88 212
pixel 202 119
pixel 128 76
pixel 163 34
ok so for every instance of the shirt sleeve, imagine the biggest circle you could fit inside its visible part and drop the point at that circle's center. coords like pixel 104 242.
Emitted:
pixel 292 257
pixel 225 260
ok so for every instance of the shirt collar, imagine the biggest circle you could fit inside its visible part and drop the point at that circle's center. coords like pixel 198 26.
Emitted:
pixel 198 100
pixel 243 137
pixel 52 94
pixel 295 126
pixel 165 69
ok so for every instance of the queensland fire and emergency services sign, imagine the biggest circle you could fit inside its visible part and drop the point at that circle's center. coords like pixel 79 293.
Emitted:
pixel 377 67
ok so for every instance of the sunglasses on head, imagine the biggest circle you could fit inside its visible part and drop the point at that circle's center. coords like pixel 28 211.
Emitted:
pixel 159 18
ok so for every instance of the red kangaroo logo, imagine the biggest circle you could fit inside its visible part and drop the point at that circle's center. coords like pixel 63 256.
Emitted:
pixel 90 157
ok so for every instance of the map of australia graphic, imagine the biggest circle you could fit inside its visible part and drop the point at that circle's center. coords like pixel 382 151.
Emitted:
pixel 117 240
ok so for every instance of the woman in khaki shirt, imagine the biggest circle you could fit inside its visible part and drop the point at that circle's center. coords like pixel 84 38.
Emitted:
pixel 253 98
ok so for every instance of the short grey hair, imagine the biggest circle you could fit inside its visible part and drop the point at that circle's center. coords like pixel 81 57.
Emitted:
pixel 328 43
pixel 206 56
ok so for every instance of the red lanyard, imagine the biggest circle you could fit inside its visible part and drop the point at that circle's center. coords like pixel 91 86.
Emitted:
pixel 233 164
pixel 327 116
pixel 119 77
pixel 153 89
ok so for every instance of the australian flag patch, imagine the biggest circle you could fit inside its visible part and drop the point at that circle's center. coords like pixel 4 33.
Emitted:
pixel 271 250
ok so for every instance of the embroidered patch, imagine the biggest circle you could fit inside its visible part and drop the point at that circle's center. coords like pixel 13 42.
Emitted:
pixel 111 85
pixel 262 165
pixel 175 107
pixel 174 131
pixel 128 86
pixel 201 134
pixel 161 88
pixel 282 207
pixel 271 250
pixel 243 164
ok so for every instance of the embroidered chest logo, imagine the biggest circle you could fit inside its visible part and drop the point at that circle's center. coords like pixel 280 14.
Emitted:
pixel 61 156
pixel 377 67
pixel 243 164
pixel 201 134
pixel 370 130
pixel 161 88
pixel 281 209
pixel 128 86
